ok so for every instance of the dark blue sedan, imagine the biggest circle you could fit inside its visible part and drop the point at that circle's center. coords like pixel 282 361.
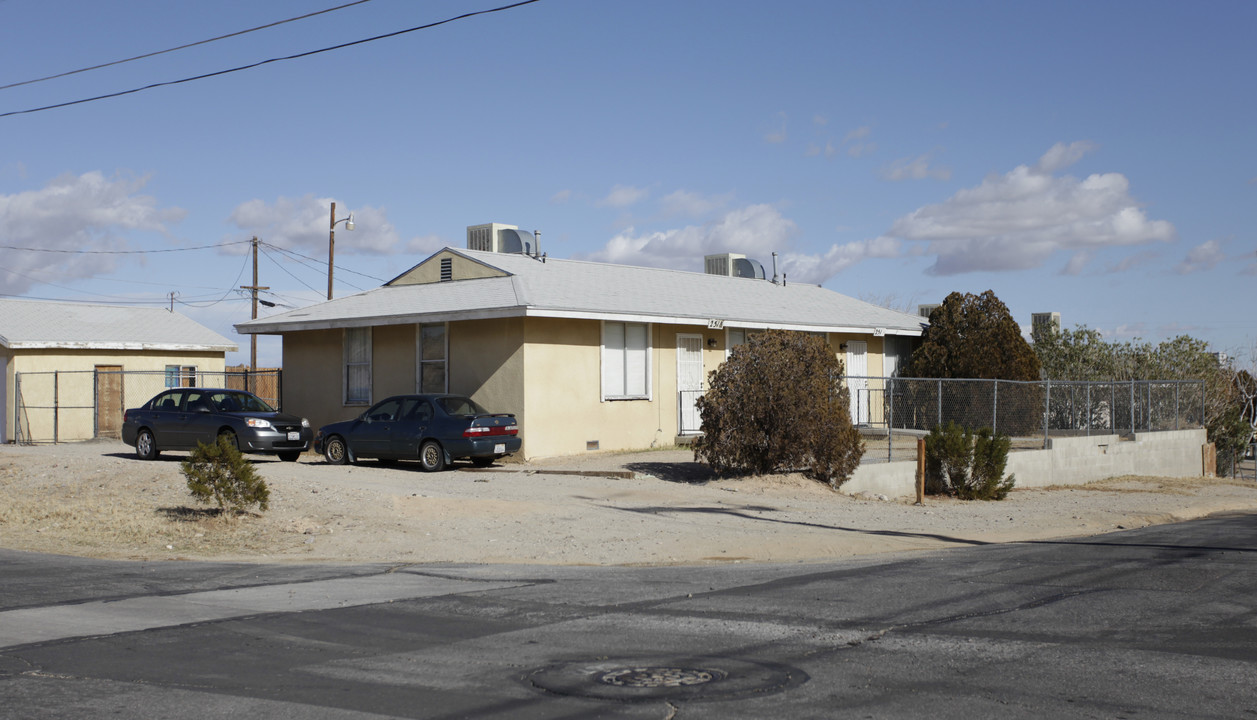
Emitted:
pixel 433 429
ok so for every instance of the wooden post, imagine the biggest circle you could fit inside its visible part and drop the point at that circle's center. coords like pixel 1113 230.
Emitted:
pixel 920 471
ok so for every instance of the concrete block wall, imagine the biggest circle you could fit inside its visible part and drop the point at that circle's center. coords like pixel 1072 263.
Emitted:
pixel 1066 461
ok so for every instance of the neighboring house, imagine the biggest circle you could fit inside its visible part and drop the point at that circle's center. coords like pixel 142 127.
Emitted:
pixel 75 363
pixel 587 355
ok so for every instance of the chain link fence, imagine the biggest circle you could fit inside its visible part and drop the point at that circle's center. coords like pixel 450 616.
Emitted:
pixel 66 406
pixel 893 412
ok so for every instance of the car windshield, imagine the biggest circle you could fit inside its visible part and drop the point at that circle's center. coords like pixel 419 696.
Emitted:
pixel 460 406
pixel 234 402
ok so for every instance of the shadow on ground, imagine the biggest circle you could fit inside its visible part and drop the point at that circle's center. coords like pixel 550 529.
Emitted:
pixel 678 472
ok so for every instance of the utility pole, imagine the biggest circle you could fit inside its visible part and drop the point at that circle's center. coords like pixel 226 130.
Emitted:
pixel 253 338
pixel 331 243
pixel 331 250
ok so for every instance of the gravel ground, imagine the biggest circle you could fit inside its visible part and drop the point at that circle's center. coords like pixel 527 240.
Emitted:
pixel 659 507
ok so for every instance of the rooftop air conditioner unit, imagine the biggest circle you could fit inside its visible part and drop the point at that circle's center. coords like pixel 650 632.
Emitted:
pixel 733 265
pixel 500 238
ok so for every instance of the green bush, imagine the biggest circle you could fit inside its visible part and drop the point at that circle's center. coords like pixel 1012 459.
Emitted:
pixel 220 473
pixel 778 404
pixel 966 464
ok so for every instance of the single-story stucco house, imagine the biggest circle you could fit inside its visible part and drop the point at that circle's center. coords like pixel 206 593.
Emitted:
pixel 76 366
pixel 587 355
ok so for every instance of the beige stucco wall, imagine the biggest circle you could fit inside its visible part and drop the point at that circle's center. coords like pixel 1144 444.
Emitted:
pixel 72 390
pixel 313 383
pixel 563 395
pixel 486 363
pixel 392 361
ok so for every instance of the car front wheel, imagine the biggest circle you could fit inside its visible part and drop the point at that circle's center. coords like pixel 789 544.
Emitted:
pixel 145 445
pixel 334 451
pixel 431 456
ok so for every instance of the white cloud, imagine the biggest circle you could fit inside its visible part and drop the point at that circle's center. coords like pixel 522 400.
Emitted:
pixel 755 230
pixel 816 269
pixel 560 197
pixel 302 224
pixel 426 245
pixel 1019 219
pixel 1201 257
pixel 78 213
pixel 1077 262
pixel 917 168
pixel 623 196
pixel 777 136
pixel 858 134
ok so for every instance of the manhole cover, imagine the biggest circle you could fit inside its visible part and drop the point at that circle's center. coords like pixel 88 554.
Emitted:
pixel 647 679
pixel 656 677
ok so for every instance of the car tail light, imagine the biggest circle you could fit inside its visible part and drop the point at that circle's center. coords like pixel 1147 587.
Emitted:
pixel 490 430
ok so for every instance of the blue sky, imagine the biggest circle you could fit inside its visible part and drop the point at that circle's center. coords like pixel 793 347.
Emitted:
pixel 1098 159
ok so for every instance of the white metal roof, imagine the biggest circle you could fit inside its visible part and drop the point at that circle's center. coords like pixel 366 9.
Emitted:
pixel 581 289
pixel 30 324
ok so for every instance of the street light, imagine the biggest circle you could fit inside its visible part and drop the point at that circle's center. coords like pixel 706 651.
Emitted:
pixel 331 244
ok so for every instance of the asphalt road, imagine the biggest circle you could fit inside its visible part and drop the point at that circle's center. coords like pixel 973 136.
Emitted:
pixel 1150 623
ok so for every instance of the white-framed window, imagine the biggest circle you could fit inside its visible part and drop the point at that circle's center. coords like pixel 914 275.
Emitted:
pixel 357 344
pixel 735 337
pixel 180 376
pixel 625 361
pixel 431 372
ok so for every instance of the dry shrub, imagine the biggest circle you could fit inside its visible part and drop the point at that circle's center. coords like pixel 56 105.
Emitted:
pixel 776 405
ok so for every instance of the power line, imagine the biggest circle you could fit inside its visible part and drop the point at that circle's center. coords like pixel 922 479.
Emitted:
pixel 323 263
pixel 267 62
pixel 121 252
pixel 181 47
pixel 281 267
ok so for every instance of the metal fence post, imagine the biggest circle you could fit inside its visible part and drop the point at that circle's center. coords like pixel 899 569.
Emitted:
pixel 1047 408
pixel 56 407
pixel 939 419
pixel 17 408
pixel 890 419
pixel 1132 407
pixel 995 409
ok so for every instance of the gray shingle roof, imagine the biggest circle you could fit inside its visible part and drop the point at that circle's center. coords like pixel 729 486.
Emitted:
pixel 580 289
pixel 28 324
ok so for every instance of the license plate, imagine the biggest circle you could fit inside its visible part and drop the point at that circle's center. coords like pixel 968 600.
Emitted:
pixel 294 436
pixel 499 448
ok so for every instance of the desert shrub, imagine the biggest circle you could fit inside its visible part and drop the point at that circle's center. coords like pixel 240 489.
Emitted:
pixel 220 473
pixel 778 404
pixel 986 477
pixel 948 455
pixel 969 465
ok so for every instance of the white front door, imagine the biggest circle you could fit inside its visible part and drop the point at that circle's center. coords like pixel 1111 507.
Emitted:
pixel 689 382
pixel 857 382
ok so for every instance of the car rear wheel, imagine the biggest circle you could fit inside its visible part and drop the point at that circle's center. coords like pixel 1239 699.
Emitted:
pixel 334 451
pixel 145 445
pixel 431 456
pixel 289 456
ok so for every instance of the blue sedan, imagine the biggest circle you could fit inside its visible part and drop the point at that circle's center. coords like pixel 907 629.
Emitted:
pixel 433 429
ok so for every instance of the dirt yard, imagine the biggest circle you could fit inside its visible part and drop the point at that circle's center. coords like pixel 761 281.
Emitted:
pixel 96 499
